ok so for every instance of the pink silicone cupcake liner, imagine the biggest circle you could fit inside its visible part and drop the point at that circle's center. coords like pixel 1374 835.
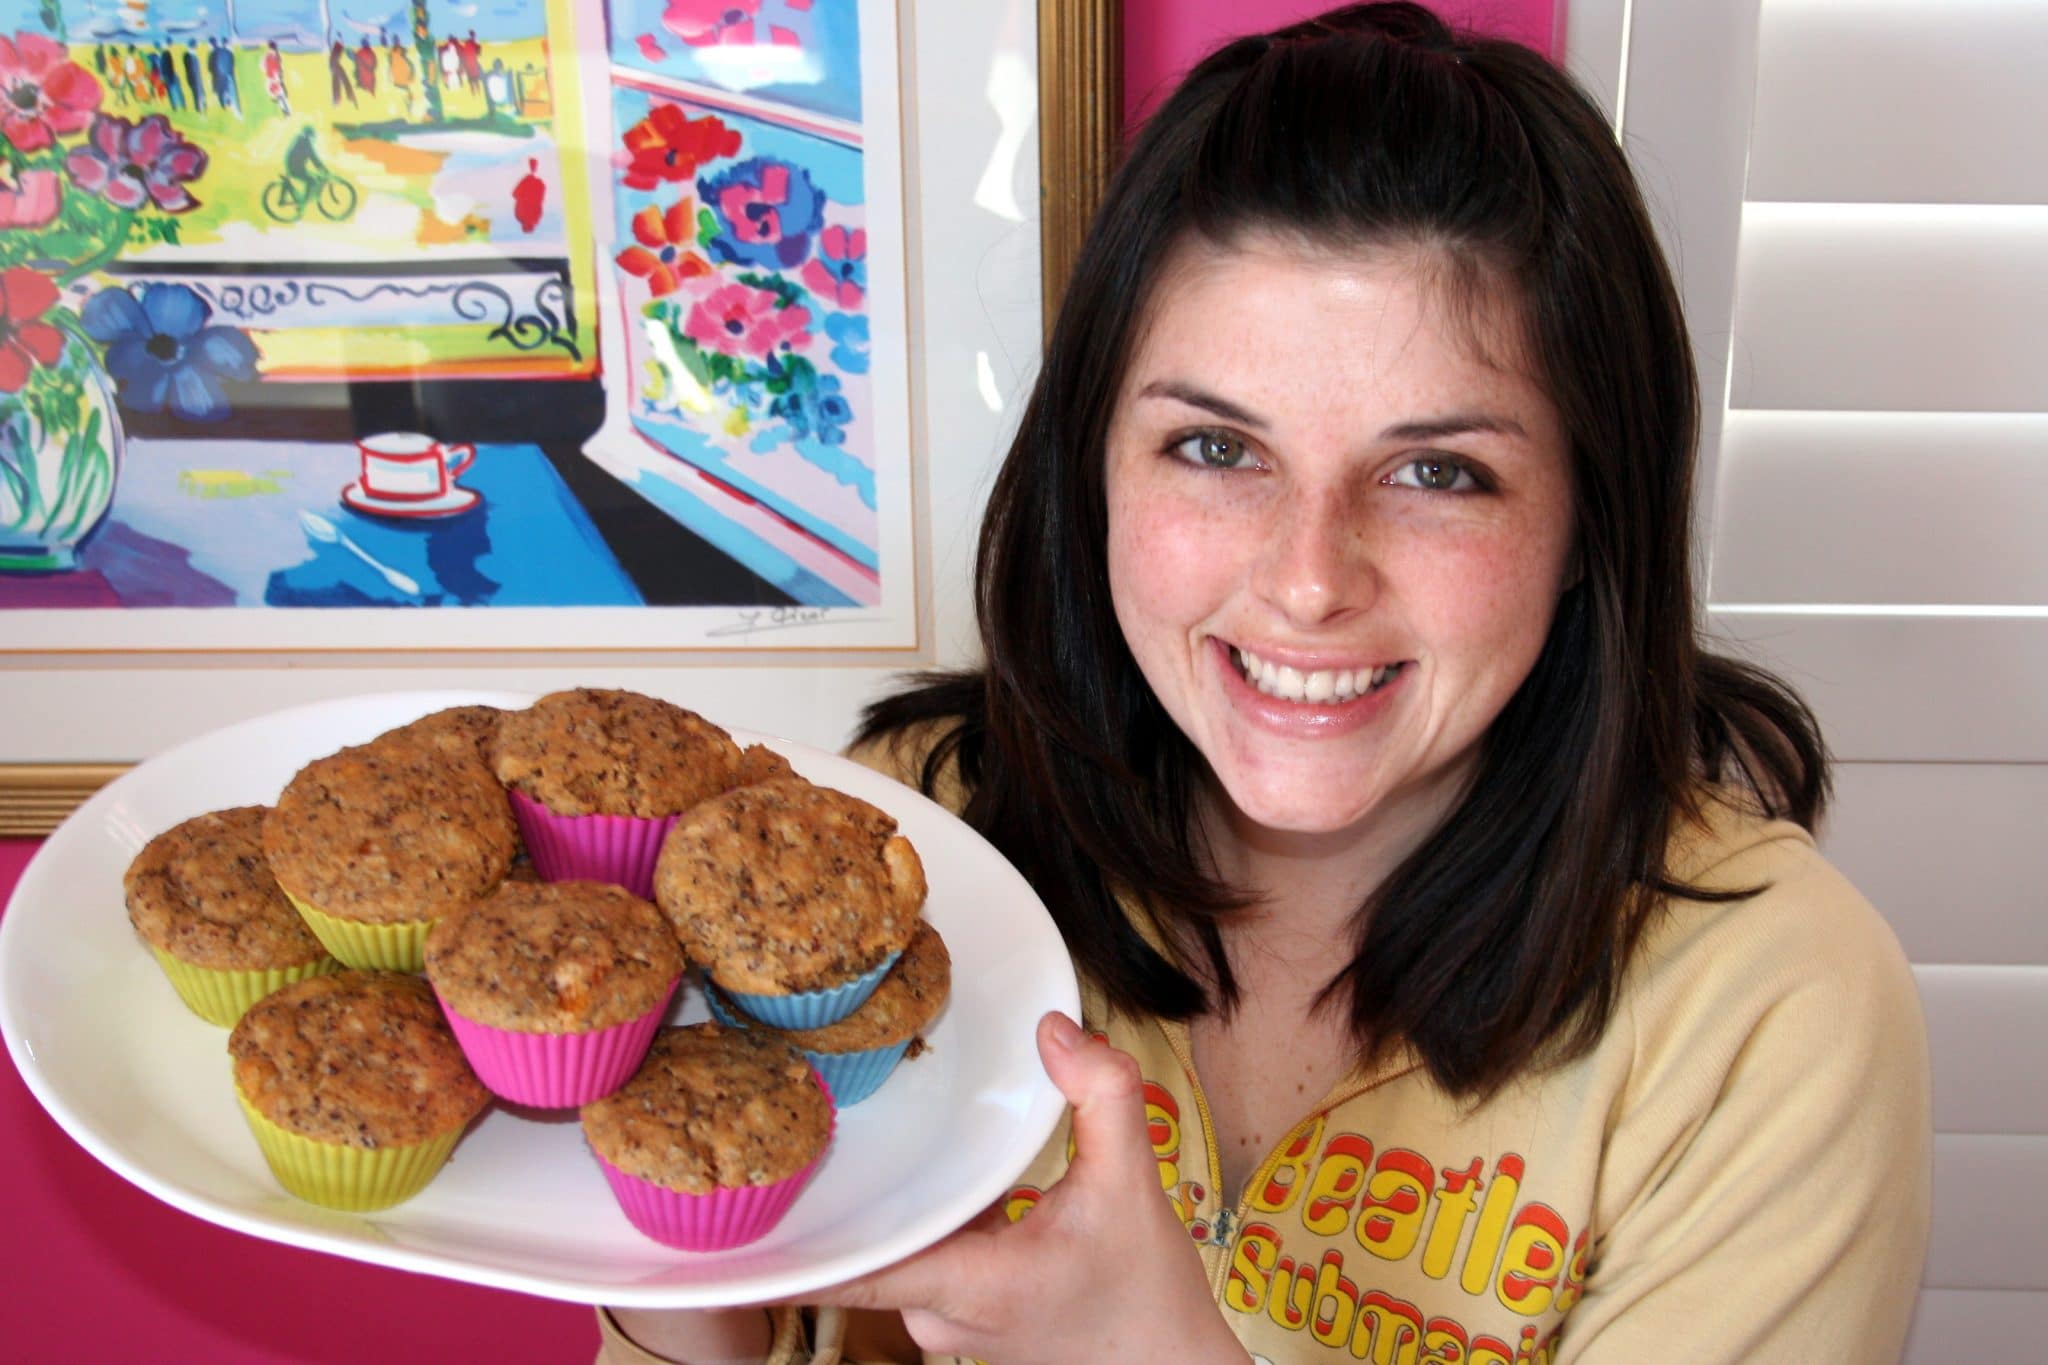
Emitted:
pixel 556 1070
pixel 621 849
pixel 720 1220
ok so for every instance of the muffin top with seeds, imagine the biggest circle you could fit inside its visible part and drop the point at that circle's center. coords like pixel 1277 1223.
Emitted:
pixel 554 957
pixel 713 1108
pixel 202 892
pixel 397 830
pixel 364 1059
pixel 597 751
pixel 473 728
pixel 786 887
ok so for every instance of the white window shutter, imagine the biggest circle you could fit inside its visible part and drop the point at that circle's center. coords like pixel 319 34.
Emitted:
pixel 1855 193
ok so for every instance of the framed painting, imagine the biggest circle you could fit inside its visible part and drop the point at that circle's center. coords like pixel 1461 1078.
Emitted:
pixel 346 342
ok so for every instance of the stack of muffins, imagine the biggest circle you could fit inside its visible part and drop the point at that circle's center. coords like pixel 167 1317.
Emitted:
pixel 553 872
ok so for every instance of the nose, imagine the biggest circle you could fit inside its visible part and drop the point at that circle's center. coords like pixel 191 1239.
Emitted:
pixel 1316 565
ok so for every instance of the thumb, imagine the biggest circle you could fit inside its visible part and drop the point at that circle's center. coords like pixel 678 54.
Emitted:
pixel 1107 1092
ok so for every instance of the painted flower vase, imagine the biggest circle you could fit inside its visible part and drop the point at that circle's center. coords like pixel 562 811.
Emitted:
pixel 60 453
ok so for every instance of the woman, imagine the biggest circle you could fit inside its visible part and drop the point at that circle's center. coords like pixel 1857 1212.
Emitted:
pixel 1470 981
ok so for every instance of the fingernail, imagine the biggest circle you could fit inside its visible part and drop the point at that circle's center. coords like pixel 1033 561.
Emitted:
pixel 1065 1031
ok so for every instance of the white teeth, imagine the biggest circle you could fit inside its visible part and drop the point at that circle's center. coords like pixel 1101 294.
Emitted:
pixel 1319 688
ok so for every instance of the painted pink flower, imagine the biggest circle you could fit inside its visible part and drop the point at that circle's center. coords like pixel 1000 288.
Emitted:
pixel 707 23
pixel 738 319
pixel 25 339
pixel 43 93
pixel 135 164
pixel 839 271
pixel 28 199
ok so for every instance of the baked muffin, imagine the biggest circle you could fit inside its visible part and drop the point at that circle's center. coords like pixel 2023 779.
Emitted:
pixel 709 1143
pixel 857 1054
pixel 759 763
pixel 461 728
pixel 353 1086
pixel 376 842
pixel 598 776
pixel 554 988
pixel 203 901
pixel 794 898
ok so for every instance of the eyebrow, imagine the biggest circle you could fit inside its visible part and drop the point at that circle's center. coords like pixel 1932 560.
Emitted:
pixel 1458 424
pixel 1201 398
pixel 1435 429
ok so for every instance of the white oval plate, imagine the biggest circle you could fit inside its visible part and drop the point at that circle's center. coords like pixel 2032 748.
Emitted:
pixel 143 1084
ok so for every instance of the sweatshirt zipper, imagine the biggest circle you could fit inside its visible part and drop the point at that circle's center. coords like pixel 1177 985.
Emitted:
pixel 1187 1066
pixel 1264 1172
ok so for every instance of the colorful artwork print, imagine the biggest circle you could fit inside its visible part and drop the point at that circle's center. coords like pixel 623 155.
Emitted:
pixel 224 228
pixel 743 276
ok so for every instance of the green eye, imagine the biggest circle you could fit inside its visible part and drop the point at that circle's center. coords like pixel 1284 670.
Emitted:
pixel 1436 474
pixel 1441 475
pixel 1212 450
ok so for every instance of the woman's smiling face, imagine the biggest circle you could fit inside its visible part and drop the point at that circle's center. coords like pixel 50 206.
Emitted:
pixel 1340 519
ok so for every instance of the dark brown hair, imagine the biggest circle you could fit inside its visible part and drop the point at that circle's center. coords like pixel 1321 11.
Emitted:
pixel 1504 937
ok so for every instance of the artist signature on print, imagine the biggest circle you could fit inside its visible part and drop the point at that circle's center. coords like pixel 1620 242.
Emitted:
pixel 753 620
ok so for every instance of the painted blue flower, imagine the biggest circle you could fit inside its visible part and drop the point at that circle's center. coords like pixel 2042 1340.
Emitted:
pixel 815 409
pixel 849 333
pixel 161 352
pixel 767 212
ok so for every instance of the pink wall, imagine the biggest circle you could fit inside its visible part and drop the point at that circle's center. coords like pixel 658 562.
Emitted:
pixel 95 1269
pixel 1163 38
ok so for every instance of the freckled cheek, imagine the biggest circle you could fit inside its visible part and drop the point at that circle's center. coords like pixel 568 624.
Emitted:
pixel 1496 596
pixel 1169 561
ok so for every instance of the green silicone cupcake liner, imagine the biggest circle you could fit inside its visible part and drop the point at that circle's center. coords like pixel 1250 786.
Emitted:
pixel 392 947
pixel 219 996
pixel 336 1176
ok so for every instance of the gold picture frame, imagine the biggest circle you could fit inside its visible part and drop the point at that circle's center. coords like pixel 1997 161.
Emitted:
pixel 1080 91
pixel 1080 120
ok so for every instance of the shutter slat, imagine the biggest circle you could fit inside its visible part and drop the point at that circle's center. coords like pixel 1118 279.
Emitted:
pixel 1882 507
pixel 1891 308
pixel 1988 1229
pixel 1890 687
pixel 1952 854
pixel 1877 100
pixel 1983 1082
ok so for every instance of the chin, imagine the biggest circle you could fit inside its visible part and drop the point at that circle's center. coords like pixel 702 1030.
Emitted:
pixel 1284 809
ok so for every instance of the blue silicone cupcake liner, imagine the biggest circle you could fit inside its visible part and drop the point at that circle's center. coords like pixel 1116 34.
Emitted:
pixel 850 1076
pixel 812 1009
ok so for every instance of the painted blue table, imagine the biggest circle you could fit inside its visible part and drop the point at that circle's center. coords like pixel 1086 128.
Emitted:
pixel 219 523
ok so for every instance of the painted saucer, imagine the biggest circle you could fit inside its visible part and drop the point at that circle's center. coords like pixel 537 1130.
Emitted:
pixel 454 502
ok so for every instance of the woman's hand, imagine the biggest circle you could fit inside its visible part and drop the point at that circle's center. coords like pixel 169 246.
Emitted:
pixel 1100 1269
